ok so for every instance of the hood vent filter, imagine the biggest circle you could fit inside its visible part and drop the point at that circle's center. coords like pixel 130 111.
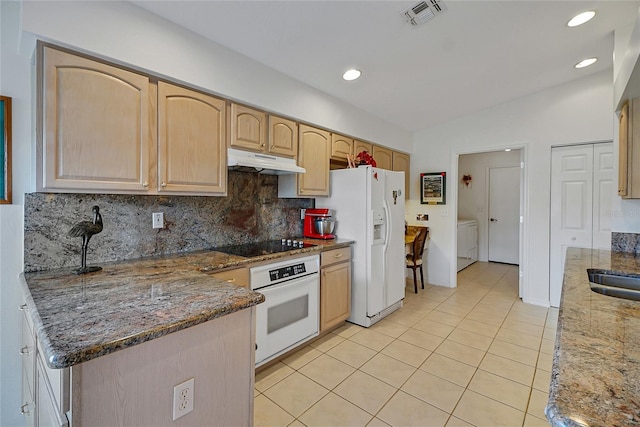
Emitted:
pixel 423 11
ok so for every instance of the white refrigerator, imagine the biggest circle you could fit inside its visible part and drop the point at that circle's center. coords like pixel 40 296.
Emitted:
pixel 369 209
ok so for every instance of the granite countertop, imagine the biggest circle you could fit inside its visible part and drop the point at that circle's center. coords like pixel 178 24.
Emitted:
pixel 596 365
pixel 79 318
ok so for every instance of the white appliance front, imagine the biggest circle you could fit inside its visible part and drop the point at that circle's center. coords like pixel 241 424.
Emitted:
pixel 289 315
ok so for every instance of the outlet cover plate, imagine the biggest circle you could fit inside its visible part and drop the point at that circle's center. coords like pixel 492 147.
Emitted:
pixel 158 220
pixel 183 397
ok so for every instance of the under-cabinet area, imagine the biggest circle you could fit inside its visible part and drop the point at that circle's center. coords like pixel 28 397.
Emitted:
pixel 108 129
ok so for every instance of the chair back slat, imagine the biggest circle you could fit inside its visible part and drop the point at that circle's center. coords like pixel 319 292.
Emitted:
pixel 418 243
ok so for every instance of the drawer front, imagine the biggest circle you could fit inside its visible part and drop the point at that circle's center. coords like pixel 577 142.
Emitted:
pixel 335 255
pixel 237 276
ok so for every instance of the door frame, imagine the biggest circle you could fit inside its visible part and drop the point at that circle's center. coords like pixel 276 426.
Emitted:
pixel 523 285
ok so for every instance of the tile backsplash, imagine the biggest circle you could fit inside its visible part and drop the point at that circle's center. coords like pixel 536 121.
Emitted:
pixel 251 211
pixel 625 242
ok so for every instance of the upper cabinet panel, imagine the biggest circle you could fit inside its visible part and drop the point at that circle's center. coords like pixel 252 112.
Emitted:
pixel 248 128
pixel 191 141
pixel 283 137
pixel 383 157
pixel 96 126
pixel 341 147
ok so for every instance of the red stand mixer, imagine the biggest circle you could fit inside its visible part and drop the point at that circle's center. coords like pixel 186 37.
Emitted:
pixel 319 223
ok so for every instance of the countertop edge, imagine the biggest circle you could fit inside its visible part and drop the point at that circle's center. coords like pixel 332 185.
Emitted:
pixel 56 359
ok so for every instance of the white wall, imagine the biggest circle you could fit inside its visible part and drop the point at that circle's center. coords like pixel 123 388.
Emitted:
pixel 579 111
pixel 128 35
pixel 472 199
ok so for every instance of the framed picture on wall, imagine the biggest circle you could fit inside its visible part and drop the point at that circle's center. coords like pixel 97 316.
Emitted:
pixel 5 149
pixel 433 188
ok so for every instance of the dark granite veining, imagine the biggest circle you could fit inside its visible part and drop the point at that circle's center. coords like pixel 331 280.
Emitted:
pixel 625 242
pixel 595 378
pixel 78 318
pixel 250 212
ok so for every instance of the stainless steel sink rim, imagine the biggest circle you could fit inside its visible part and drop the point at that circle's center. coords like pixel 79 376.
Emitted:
pixel 615 284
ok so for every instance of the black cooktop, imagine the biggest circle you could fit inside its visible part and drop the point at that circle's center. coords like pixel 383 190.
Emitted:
pixel 260 248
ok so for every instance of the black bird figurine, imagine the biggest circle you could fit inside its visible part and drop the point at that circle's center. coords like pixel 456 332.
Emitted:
pixel 86 229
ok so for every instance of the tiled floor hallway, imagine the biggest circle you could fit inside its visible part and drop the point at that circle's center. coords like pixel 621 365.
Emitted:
pixel 474 355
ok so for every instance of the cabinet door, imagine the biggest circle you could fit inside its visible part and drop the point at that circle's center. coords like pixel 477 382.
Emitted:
pixel 335 295
pixel 313 155
pixel 48 413
pixel 95 132
pixel 341 147
pixel 623 147
pixel 191 142
pixel 402 163
pixel 383 157
pixel 248 128
pixel 283 137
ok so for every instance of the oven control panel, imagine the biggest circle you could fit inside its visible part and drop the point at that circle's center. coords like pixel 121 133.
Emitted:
pixel 288 271
pixel 283 270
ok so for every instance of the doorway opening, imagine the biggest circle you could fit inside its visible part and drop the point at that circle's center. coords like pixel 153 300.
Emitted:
pixel 490 197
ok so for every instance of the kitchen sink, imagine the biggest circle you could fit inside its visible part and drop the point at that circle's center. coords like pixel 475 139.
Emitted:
pixel 611 283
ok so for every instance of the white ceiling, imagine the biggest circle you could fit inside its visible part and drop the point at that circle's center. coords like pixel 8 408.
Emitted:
pixel 474 55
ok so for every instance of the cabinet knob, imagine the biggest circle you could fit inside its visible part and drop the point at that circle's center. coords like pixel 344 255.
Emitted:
pixel 24 409
pixel 164 184
pixel 145 184
pixel 573 238
pixel 23 307
pixel 337 256
pixel 493 220
pixel 25 350
pixel 232 280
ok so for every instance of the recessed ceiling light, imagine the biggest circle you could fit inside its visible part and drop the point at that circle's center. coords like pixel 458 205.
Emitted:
pixel 581 18
pixel 585 62
pixel 507 149
pixel 351 74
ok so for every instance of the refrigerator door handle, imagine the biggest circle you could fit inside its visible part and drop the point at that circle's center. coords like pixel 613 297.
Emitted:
pixel 387 226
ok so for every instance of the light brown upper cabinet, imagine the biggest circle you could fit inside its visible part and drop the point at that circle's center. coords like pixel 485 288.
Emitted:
pixel 283 137
pixel 109 130
pixel 255 130
pixel 383 157
pixel 360 146
pixel 629 146
pixel 341 147
pixel 191 141
pixel 248 128
pixel 314 151
pixel 96 126
pixel 402 163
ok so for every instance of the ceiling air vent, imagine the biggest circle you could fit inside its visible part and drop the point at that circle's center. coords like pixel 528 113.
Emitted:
pixel 423 11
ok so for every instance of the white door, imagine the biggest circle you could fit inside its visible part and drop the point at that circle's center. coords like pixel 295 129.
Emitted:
pixel 580 197
pixel 603 188
pixel 504 214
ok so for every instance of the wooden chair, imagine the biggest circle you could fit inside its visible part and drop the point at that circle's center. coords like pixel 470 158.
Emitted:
pixel 414 259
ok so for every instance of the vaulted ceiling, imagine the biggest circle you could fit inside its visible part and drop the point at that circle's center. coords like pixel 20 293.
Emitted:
pixel 473 55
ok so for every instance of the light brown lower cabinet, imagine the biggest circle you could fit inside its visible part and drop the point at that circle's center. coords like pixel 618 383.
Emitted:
pixel 134 386
pixel 335 287
pixel 237 276
pixel 629 154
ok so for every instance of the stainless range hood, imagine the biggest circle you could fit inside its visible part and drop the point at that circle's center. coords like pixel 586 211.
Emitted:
pixel 267 164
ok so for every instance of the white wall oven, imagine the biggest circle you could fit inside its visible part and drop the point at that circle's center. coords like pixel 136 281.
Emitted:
pixel 289 316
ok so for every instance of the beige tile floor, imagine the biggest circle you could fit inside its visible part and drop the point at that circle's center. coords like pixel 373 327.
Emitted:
pixel 475 355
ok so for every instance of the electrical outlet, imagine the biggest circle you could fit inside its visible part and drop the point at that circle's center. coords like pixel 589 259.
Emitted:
pixel 302 212
pixel 158 220
pixel 183 397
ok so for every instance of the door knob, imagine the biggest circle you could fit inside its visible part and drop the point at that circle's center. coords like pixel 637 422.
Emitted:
pixel 493 220
pixel 573 238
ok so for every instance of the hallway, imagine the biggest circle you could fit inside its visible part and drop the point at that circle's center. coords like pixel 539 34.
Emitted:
pixel 474 355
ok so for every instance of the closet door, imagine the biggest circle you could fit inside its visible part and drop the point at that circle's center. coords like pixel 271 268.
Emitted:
pixel 581 190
